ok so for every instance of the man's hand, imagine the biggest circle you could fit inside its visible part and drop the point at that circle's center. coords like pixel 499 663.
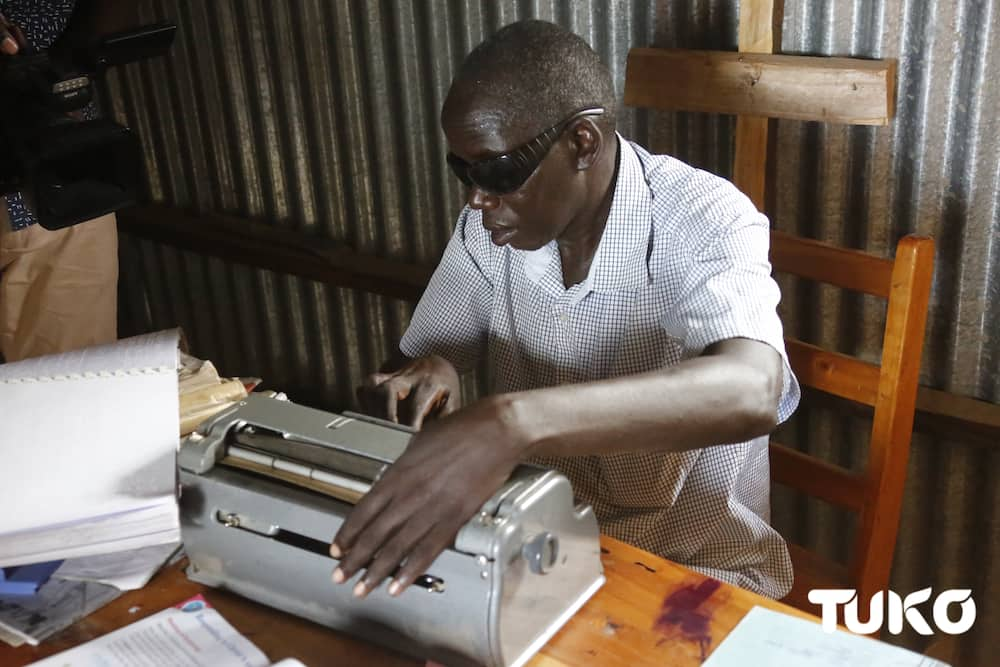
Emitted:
pixel 421 388
pixel 12 39
pixel 414 511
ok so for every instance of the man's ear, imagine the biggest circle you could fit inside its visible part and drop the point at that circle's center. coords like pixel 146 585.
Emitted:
pixel 588 140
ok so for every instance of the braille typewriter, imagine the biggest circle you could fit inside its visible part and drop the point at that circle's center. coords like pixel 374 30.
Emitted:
pixel 267 483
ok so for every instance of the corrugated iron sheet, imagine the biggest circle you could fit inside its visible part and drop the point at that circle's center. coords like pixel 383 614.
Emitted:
pixel 321 117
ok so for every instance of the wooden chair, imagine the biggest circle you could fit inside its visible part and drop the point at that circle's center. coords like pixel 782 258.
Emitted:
pixel 890 388
pixel 756 85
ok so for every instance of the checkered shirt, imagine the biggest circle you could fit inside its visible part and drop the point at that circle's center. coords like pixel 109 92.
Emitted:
pixel 683 263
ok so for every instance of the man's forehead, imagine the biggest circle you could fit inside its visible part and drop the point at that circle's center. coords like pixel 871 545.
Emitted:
pixel 484 126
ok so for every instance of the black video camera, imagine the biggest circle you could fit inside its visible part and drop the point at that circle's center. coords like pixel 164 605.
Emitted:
pixel 68 169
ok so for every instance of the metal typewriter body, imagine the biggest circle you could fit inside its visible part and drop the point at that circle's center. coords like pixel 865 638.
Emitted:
pixel 267 483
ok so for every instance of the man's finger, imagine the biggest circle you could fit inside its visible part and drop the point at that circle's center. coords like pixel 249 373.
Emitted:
pixel 370 542
pixel 423 555
pixel 396 389
pixel 392 554
pixel 367 509
pixel 427 402
pixel 379 395
pixel 375 379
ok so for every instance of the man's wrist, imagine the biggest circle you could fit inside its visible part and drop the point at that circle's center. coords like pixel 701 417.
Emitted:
pixel 520 422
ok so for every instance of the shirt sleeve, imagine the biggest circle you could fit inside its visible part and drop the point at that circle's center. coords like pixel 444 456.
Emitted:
pixel 729 293
pixel 42 21
pixel 452 316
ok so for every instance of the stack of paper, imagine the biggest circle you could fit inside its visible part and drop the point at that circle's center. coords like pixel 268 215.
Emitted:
pixel 87 451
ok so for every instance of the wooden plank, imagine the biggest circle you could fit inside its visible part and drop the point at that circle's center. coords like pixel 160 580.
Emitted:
pixel 816 478
pixel 957 417
pixel 750 159
pixel 760 26
pixel 759 32
pixel 893 422
pixel 814 260
pixel 262 246
pixel 829 90
pixel 948 416
pixel 834 373
pixel 265 246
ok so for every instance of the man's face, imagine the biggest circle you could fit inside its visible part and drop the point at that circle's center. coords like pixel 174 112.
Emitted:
pixel 541 209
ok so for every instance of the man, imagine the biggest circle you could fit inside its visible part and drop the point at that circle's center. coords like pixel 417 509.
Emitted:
pixel 58 289
pixel 626 304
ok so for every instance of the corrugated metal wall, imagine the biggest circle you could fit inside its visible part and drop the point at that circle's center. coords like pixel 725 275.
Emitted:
pixel 321 117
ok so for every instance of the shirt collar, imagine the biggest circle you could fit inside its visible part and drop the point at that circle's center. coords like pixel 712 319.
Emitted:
pixel 620 261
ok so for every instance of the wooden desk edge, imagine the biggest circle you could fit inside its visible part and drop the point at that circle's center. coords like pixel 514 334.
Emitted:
pixel 621 619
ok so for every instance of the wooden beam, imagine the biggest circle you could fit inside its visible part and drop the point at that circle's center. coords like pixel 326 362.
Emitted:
pixel 830 90
pixel 750 159
pixel 760 26
pixel 939 414
pixel 759 32
pixel 817 478
pixel 953 416
pixel 265 246
pixel 838 374
pixel 261 245
pixel 826 263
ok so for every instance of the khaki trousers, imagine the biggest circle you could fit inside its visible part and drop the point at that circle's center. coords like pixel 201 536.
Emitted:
pixel 58 289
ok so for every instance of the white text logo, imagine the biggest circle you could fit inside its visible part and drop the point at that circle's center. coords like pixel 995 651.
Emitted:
pixel 899 608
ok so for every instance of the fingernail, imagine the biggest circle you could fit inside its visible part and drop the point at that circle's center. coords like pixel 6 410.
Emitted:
pixel 394 587
pixel 359 590
pixel 335 551
pixel 9 46
pixel 338 576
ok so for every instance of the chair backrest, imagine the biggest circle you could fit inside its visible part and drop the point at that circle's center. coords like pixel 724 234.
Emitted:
pixel 854 91
pixel 890 388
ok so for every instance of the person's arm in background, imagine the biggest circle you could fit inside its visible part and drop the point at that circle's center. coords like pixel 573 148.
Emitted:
pixel 90 20
pixel 93 19
pixel 12 39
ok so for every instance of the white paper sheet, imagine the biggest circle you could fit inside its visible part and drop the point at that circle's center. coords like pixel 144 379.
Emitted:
pixel 125 570
pixel 87 434
pixel 765 638
pixel 193 635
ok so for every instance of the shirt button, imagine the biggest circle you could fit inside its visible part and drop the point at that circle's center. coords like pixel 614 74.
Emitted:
pixel 563 317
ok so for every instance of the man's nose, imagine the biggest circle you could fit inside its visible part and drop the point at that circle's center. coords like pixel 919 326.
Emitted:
pixel 481 200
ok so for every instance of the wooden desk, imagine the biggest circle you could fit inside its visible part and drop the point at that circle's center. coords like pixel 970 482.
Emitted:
pixel 650 612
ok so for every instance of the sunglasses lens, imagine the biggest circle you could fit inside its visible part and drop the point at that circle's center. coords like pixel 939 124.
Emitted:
pixel 501 175
pixel 460 168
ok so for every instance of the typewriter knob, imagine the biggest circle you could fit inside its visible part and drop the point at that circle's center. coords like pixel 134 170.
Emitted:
pixel 541 552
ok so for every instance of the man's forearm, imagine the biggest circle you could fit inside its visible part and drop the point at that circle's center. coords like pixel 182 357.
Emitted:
pixel 710 400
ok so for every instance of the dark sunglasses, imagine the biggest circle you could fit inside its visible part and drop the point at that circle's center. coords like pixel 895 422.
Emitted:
pixel 505 173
